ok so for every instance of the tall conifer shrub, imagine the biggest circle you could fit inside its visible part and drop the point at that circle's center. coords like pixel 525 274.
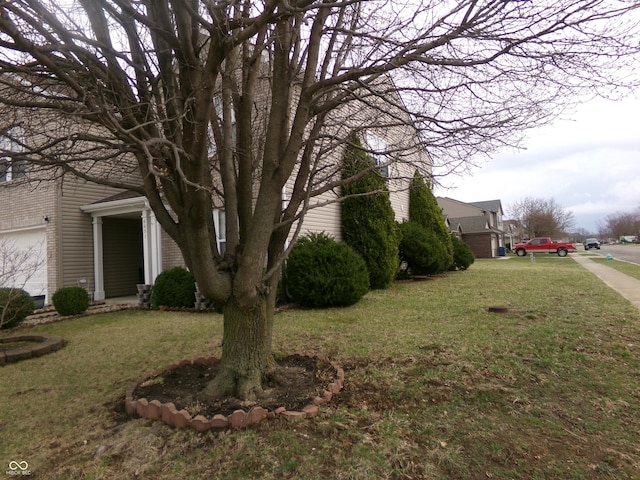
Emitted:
pixel 368 221
pixel 424 210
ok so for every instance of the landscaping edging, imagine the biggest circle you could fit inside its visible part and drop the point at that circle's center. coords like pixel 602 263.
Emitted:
pixel 43 345
pixel 239 419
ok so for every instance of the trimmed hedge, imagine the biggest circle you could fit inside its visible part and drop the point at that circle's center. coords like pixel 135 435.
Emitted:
pixel 70 301
pixel 15 306
pixel 322 272
pixel 174 288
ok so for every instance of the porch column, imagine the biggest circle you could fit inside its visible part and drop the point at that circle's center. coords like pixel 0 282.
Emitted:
pixel 98 260
pixel 151 246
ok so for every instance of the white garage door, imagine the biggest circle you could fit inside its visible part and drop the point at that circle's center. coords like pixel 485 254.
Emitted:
pixel 23 260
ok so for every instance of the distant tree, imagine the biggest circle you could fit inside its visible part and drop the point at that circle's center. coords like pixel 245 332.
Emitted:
pixel 425 211
pixel 541 217
pixel 368 221
pixel 619 224
pixel 581 234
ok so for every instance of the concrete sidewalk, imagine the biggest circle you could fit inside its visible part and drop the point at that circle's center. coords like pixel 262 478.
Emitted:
pixel 625 285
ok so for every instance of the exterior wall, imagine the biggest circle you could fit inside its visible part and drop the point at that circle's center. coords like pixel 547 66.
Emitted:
pixel 399 184
pixel 75 250
pixel 171 255
pixel 25 206
pixel 323 219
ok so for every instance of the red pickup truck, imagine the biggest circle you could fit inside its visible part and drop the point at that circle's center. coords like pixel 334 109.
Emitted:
pixel 544 245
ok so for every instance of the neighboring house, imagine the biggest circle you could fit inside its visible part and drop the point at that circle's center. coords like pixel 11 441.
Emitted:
pixel 108 240
pixel 512 233
pixel 479 224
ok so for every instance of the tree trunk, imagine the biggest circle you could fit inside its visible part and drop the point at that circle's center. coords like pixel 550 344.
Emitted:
pixel 246 353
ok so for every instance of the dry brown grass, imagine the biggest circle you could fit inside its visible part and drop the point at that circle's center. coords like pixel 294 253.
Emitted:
pixel 436 387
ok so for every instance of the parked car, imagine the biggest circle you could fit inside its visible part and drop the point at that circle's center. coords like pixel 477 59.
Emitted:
pixel 591 243
pixel 544 245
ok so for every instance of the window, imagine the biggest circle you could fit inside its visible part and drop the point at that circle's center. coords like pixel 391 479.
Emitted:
pixel 220 224
pixel 11 168
pixel 378 149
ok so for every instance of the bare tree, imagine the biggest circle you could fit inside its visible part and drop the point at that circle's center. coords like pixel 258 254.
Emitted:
pixel 17 268
pixel 540 217
pixel 620 224
pixel 222 103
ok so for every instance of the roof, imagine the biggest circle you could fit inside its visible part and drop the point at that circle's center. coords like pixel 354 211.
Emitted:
pixel 475 224
pixel 489 205
pixel 127 194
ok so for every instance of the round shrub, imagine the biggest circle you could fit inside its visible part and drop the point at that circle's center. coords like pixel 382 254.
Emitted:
pixel 15 306
pixel 174 288
pixel 322 272
pixel 70 300
pixel 463 257
pixel 422 250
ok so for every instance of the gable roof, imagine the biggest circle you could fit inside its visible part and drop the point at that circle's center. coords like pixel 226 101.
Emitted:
pixel 489 205
pixel 475 224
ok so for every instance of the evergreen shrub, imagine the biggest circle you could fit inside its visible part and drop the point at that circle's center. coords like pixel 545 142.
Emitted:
pixel 368 221
pixel 422 250
pixel 15 306
pixel 424 210
pixel 70 300
pixel 322 272
pixel 174 288
pixel 463 257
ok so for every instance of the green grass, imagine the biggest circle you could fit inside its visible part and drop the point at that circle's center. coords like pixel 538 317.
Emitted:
pixel 631 269
pixel 436 387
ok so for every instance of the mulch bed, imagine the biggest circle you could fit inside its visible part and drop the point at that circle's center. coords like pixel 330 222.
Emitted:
pixel 297 380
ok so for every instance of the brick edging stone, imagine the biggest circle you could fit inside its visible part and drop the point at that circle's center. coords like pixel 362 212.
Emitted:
pixel 239 419
pixel 43 344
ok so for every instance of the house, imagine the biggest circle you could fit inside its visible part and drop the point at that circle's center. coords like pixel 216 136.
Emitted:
pixel 479 224
pixel 108 240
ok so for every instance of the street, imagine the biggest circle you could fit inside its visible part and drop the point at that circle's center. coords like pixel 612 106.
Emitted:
pixel 630 253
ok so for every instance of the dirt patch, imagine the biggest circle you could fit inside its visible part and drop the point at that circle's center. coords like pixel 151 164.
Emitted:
pixel 296 381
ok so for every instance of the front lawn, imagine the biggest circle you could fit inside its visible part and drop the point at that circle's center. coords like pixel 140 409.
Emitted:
pixel 436 387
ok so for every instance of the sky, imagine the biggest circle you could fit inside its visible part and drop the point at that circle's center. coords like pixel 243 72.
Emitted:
pixel 588 162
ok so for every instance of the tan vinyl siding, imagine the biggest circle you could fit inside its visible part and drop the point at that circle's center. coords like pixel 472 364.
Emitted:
pixel 76 252
pixel 323 219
